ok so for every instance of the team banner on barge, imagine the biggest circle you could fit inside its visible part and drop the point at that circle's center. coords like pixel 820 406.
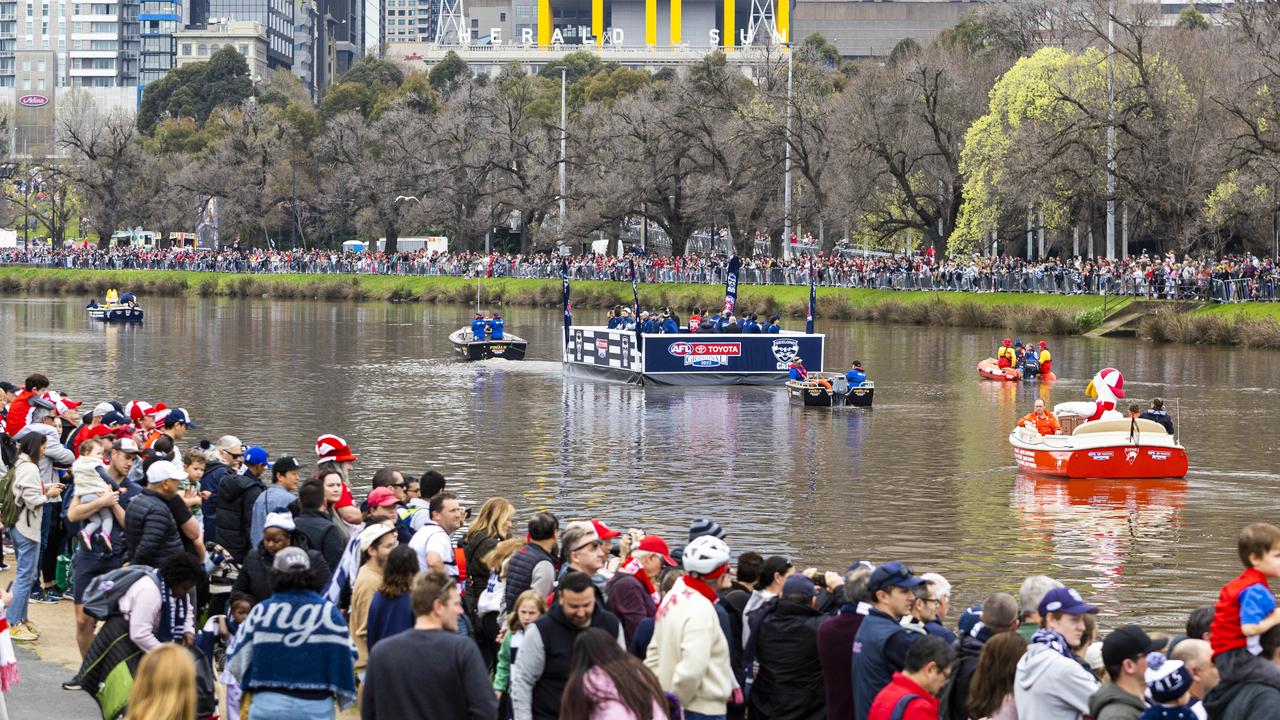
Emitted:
pixel 690 359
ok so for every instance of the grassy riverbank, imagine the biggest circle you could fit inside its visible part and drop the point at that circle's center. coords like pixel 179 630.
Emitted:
pixel 1253 325
pixel 1027 313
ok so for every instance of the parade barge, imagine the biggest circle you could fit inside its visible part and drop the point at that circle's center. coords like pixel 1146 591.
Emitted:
pixel 688 358
pixel 1127 448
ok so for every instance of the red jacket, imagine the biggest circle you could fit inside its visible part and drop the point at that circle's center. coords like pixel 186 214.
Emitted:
pixel 926 708
pixel 1225 633
pixel 16 418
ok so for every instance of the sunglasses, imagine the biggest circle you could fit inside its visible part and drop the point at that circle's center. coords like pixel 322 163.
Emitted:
pixel 589 544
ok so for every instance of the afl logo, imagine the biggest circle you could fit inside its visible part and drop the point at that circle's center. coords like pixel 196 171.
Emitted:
pixel 33 101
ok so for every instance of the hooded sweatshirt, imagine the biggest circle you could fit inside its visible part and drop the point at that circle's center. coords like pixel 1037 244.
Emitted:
pixel 1114 703
pixel 1048 686
pixel 1248 701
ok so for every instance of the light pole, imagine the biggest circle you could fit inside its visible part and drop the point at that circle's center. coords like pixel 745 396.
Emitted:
pixel 786 187
pixel 564 135
pixel 1111 134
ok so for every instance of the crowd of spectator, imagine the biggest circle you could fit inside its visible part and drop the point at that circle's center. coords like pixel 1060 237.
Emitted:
pixel 1232 278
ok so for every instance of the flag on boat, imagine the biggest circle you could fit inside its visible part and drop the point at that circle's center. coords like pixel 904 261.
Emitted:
pixel 813 299
pixel 731 286
pixel 568 310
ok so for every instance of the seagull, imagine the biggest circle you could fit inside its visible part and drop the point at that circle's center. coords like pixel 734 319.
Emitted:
pixel 408 197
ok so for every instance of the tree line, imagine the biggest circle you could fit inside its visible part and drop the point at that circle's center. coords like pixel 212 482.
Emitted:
pixel 994 131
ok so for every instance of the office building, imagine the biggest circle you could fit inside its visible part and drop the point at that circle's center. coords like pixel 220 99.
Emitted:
pixel 247 38
pixel 275 16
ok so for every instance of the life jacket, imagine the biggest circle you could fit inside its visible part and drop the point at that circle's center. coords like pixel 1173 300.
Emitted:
pixel 1225 633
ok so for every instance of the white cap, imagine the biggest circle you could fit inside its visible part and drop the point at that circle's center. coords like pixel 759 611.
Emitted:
pixel 282 520
pixel 162 470
pixel 103 408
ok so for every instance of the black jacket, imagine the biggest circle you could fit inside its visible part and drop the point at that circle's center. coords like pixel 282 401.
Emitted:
pixel 214 473
pixel 255 574
pixel 236 494
pixel 962 675
pixel 321 535
pixel 477 547
pixel 1248 701
pixel 150 530
pixel 558 636
pixel 788 685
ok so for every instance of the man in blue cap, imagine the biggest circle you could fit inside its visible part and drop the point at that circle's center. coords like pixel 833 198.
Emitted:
pixel 880 647
pixel 1049 683
pixel 236 496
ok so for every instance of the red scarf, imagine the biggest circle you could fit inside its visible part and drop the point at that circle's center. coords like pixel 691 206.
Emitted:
pixel 636 570
pixel 702 588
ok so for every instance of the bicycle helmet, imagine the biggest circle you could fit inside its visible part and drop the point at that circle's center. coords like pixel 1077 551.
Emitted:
pixel 705 555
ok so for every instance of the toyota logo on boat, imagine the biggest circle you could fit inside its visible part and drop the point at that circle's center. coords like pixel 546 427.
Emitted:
pixel 704 354
pixel 33 101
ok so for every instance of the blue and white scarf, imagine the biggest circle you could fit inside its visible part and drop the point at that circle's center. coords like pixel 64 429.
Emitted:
pixel 294 640
pixel 344 576
pixel 1045 636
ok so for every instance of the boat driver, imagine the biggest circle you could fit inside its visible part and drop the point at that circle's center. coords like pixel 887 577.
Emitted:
pixel 800 374
pixel 496 326
pixel 856 376
pixel 1042 420
pixel 478 327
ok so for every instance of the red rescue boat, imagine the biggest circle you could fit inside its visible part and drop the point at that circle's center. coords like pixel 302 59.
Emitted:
pixel 1103 449
pixel 991 370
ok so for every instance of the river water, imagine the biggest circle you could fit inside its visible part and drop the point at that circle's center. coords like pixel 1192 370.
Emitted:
pixel 927 476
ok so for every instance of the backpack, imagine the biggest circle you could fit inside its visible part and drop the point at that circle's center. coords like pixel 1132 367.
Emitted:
pixel 10 508
pixel 102 596
pixel 900 709
pixel 8 450
pixel 947 699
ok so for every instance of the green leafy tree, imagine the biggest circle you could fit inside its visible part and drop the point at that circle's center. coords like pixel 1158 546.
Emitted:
pixel 1192 19
pixel 195 90
pixel 449 73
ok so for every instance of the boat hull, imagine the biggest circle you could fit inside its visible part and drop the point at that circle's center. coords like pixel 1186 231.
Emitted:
pixel 991 370
pixel 116 314
pixel 818 396
pixel 508 348
pixel 1104 456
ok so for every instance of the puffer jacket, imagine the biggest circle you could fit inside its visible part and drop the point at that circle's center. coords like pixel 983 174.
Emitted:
pixel 214 474
pixel 150 530
pixel 788 684
pixel 236 495
pixel 255 575
pixel 56 455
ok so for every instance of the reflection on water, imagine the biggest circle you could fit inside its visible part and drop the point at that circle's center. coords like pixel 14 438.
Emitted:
pixel 926 476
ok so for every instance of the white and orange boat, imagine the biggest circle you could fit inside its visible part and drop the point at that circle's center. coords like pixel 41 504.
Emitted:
pixel 1103 449
pixel 991 370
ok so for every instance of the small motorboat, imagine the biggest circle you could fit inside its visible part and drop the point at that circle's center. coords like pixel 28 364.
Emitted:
pixel 1126 448
pixel 991 370
pixel 116 313
pixel 471 347
pixel 811 394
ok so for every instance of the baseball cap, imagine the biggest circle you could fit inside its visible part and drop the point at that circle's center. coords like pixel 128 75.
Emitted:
pixel 604 531
pixel 284 465
pixel 291 558
pixel 126 445
pixel 1065 600
pixel 382 497
pixel 255 456
pixel 7 386
pixel 799 586
pixel 113 418
pixel 56 398
pixel 371 534
pixel 162 470
pixel 657 546
pixel 103 408
pixel 1127 643
pixel 178 415
pixel 893 574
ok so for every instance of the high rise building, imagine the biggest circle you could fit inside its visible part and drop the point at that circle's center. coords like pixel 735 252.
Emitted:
pixel 410 21
pixel 276 16
pixel 158 21
pixel 94 44
pixel 306 41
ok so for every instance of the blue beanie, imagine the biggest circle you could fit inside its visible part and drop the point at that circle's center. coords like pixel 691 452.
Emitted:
pixel 703 526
